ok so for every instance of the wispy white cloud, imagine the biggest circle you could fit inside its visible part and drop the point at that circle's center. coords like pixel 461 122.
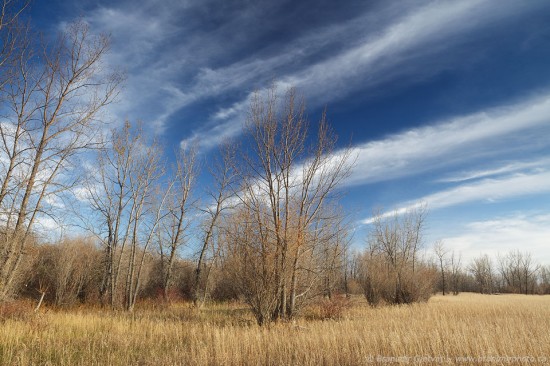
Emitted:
pixel 524 232
pixel 395 51
pixel 170 61
pixel 484 134
pixel 487 190
pixel 149 93
pixel 217 135
pixel 491 190
pixel 425 31
pixel 228 123
pixel 480 136
pixel 500 170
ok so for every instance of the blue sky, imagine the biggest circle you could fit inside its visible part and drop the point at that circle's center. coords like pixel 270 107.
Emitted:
pixel 446 103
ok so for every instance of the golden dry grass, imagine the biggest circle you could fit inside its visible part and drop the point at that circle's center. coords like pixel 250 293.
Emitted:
pixel 495 330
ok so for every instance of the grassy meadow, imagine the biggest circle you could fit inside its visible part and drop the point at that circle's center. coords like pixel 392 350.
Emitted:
pixel 465 329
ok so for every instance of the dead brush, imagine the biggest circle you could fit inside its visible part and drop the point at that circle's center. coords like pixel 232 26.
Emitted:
pixel 16 310
pixel 332 308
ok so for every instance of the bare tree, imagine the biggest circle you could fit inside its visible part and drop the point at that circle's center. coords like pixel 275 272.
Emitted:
pixel 544 277
pixel 175 221
pixel 224 176
pixel 53 98
pixel 285 186
pixel 145 215
pixel 121 197
pixel 393 271
pixel 482 269
pixel 441 252
pixel 456 272
pixel 109 197
pixel 252 261
pixel 518 272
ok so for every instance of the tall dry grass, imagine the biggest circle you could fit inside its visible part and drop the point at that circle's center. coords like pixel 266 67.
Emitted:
pixel 496 330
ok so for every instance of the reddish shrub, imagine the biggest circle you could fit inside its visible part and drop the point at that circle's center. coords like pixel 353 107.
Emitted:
pixel 16 309
pixel 334 307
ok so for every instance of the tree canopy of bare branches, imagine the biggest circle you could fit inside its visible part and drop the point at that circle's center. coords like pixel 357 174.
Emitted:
pixel 288 179
pixel 392 270
pixel 126 216
pixel 51 95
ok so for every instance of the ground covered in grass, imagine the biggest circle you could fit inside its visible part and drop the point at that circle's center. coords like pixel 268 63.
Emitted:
pixel 465 329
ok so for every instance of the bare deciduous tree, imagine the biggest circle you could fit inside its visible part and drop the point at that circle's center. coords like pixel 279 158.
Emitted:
pixel 53 95
pixel 175 221
pixel 145 215
pixel 253 263
pixel 518 271
pixel 393 271
pixel 120 194
pixel 64 272
pixel 544 275
pixel 224 176
pixel 285 186
pixel 482 270
pixel 441 253
pixel 456 272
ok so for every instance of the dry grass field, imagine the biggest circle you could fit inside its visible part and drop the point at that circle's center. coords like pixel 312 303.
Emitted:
pixel 467 329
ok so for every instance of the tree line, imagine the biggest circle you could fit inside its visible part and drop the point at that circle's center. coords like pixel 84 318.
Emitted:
pixel 393 269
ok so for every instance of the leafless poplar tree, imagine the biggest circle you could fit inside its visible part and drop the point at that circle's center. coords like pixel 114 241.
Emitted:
pixel 52 95
pixel 332 253
pixel 120 192
pixel 176 219
pixel 482 270
pixel 252 262
pixel 220 201
pixel 456 272
pixel 392 271
pixel 441 253
pixel 518 271
pixel 285 186
pixel 147 211
pixel 544 277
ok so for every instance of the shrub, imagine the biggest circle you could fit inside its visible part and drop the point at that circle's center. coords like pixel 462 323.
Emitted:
pixel 16 309
pixel 383 284
pixel 334 307
pixel 328 308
